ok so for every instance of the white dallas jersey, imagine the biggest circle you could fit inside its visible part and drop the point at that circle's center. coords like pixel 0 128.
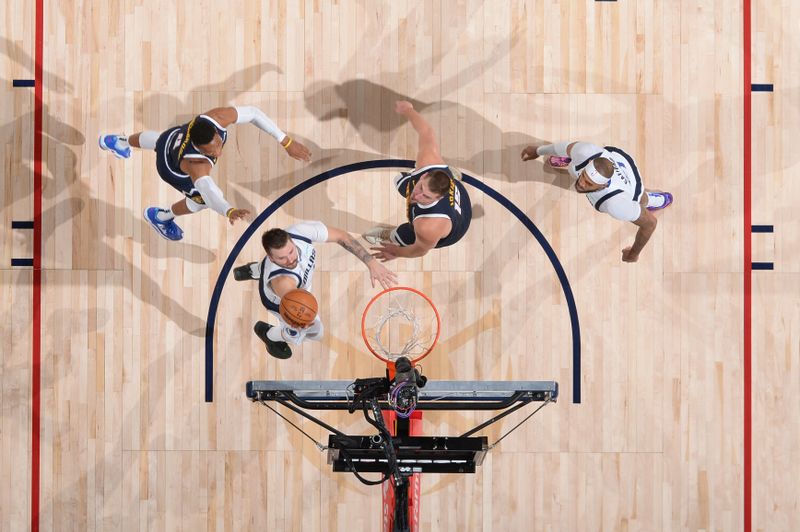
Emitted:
pixel 620 198
pixel 302 234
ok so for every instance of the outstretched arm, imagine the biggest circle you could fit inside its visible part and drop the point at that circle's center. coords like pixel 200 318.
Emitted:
pixel 377 271
pixel 428 149
pixel 647 224
pixel 248 114
pixel 560 149
pixel 427 233
pixel 199 171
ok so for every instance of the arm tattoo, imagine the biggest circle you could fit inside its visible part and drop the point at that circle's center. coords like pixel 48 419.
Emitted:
pixel 350 244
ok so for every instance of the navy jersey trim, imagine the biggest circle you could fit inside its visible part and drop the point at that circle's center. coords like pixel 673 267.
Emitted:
pixel 579 167
pixel 264 299
pixel 283 271
pixel 269 305
pixel 637 191
pixel 298 237
pixel 607 196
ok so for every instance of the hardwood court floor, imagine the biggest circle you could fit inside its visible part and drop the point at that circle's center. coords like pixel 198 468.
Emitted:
pixel 127 442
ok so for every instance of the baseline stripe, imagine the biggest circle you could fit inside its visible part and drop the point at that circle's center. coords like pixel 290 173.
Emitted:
pixel 367 165
pixel 36 322
pixel 747 367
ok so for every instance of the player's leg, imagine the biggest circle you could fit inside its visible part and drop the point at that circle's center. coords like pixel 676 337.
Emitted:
pixel 163 220
pixel 120 145
pixel 271 336
pixel 657 200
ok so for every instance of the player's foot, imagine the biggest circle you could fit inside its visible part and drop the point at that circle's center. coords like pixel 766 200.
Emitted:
pixel 115 145
pixel 279 350
pixel 667 200
pixel 378 235
pixel 168 229
pixel 559 162
pixel 244 273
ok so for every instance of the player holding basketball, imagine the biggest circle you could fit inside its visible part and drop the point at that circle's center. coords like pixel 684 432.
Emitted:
pixel 612 184
pixel 185 156
pixel 437 204
pixel 289 264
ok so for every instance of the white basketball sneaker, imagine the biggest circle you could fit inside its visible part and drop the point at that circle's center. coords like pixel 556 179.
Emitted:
pixel 379 235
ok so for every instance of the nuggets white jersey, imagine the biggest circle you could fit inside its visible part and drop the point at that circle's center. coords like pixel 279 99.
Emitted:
pixel 303 235
pixel 621 197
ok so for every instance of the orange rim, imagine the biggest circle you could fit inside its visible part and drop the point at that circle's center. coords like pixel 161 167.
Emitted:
pixel 390 363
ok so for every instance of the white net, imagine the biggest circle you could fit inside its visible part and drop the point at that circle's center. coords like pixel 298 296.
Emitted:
pixel 399 323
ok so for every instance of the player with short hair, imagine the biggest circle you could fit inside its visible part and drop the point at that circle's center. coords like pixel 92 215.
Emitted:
pixel 186 154
pixel 611 182
pixel 290 263
pixel 438 207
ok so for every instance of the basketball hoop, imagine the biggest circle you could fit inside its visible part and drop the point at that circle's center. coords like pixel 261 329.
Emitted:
pixel 400 322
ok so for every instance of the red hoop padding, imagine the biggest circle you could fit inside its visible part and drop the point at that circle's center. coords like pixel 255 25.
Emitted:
pixel 390 363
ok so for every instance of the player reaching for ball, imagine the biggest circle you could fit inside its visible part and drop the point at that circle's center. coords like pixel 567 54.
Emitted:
pixel 289 264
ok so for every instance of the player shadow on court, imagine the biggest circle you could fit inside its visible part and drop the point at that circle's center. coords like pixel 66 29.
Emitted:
pixel 357 96
pixel 60 173
pixel 323 159
pixel 226 91
pixel 15 53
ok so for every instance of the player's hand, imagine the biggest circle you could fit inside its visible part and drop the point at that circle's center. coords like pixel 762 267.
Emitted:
pixel 629 256
pixel 378 272
pixel 238 214
pixel 385 252
pixel 297 150
pixel 402 107
pixel 529 153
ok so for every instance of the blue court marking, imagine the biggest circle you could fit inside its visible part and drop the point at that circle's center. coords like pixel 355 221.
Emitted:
pixel 761 87
pixel 368 165
pixel 22 262
pixel 763 266
pixel 21 224
pixel 23 83
pixel 762 228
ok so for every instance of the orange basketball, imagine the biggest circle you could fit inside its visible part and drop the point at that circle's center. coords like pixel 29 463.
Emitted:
pixel 298 308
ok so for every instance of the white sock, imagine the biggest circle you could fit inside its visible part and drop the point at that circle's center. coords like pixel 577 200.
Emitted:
pixel 165 215
pixel 655 200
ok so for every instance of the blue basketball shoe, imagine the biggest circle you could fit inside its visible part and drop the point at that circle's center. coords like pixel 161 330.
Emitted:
pixel 168 230
pixel 112 143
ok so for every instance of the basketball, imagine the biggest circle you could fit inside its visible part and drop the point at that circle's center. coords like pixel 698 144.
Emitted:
pixel 298 308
